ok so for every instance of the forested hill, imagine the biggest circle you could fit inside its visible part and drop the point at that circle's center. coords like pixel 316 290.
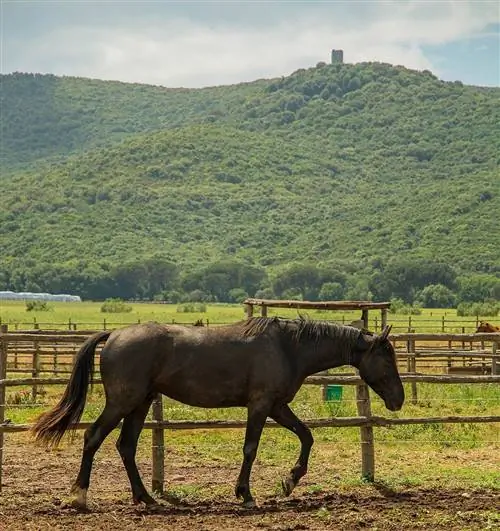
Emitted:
pixel 45 115
pixel 368 172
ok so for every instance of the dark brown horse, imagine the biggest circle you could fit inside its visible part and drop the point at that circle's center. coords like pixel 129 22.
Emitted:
pixel 259 364
pixel 484 326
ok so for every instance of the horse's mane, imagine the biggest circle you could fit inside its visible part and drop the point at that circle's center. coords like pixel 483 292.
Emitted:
pixel 300 328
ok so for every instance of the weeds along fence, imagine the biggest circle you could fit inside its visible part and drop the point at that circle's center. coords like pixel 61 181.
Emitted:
pixel 417 348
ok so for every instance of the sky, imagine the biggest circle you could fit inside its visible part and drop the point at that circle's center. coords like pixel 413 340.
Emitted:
pixel 206 43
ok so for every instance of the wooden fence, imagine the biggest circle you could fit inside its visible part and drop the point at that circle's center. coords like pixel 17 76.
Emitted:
pixel 442 324
pixel 365 421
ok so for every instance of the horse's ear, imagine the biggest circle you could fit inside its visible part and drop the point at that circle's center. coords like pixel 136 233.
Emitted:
pixel 385 332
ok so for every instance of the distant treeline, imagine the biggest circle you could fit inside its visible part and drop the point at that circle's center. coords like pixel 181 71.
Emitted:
pixel 420 282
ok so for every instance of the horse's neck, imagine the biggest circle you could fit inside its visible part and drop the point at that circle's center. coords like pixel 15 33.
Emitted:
pixel 327 354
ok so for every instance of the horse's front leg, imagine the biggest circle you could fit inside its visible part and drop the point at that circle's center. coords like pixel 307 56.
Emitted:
pixel 283 415
pixel 257 415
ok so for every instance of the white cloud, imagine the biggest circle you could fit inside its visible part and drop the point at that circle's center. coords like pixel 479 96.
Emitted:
pixel 189 52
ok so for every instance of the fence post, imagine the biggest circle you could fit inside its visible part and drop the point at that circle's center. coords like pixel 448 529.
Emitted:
pixel 494 361
pixel 443 326
pixel 54 361
pixel 366 434
pixel 35 369
pixel 3 375
pixel 364 317
pixel 413 369
pixel 249 310
pixel 158 447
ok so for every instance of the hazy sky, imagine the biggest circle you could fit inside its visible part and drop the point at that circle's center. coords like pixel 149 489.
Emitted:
pixel 199 43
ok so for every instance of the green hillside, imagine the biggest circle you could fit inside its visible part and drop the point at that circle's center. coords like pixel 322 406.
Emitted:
pixel 365 174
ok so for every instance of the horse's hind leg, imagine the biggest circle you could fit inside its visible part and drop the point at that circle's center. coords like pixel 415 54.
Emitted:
pixel 257 414
pixel 127 446
pixel 93 438
pixel 286 417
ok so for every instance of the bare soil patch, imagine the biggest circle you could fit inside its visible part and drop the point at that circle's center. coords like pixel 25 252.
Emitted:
pixel 36 483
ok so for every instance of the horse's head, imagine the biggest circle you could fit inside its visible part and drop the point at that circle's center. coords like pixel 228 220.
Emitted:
pixel 379 369
pixel 486 327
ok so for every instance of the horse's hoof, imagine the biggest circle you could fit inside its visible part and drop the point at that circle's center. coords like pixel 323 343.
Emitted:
pixel 146 499
pixel 287 485
pixel 78 498
pixel 250 504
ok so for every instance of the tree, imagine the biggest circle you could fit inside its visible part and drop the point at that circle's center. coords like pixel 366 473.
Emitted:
pixel 220 278
pixel 403 278
pixel 436 296
pixel 477 288
pixel 331 291
pixel 303 279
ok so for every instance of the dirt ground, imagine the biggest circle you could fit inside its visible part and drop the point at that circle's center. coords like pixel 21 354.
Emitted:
pixel 36 483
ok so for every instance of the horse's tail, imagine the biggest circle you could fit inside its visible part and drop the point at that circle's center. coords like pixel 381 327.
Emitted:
pixel 51 426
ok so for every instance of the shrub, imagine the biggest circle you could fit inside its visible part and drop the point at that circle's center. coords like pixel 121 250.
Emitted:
pixel 38 306
pixel 265 293
pixel 197 295
pixel 478 308
pixel 115 306
pixel 192 307
pixel 399 306
pixel 237 295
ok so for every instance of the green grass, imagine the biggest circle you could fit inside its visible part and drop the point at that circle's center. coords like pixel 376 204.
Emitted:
pixel 87 315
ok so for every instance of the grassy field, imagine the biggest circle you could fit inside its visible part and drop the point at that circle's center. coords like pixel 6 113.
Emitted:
pixel 88 315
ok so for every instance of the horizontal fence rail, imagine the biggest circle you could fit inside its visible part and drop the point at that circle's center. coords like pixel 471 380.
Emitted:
pixel 341 422
pixel 410 324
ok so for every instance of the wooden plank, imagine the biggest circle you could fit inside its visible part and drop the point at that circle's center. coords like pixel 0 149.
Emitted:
pixel 481 336
pixel 412 369
pixel 366 434
pixel 476 369
pixel 338 422
pixel 48 338
pixel 322 305
pixel 158 446
pixel 494 361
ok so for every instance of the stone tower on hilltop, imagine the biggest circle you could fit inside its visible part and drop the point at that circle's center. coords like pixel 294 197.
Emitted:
pixel 337 57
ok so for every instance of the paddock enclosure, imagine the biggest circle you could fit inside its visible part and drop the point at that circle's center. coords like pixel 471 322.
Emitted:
pixel 35 365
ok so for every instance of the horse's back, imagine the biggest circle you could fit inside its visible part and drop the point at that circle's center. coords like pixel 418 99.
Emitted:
pixel 201 366
pixel 133 355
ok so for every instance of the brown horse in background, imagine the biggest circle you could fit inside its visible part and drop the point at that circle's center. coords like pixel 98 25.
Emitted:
pixel 259 364
pixel 484 326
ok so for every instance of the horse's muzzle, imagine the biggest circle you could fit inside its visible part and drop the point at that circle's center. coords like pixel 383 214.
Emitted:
pixel 394 406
